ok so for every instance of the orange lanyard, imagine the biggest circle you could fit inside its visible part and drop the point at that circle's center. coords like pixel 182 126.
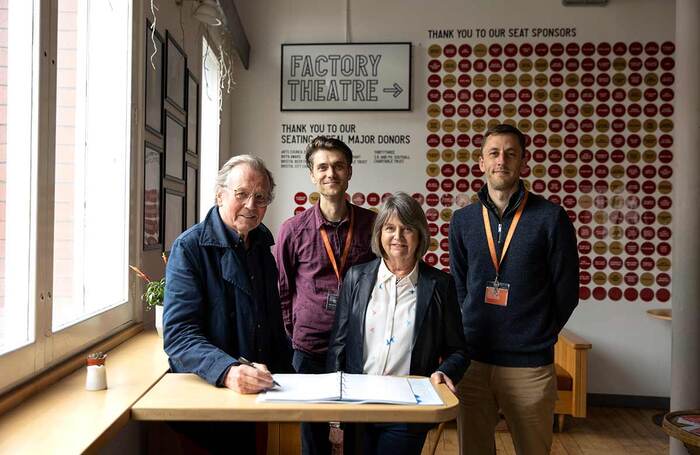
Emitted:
pixel 346 248
pixel 509 236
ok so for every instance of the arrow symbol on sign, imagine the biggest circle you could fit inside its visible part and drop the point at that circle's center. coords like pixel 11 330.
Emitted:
pixel 396 90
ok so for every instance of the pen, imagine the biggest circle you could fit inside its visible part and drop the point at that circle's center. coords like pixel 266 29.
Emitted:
pixel 244 361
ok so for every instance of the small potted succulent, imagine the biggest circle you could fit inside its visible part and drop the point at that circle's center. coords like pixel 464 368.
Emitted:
pixel 154 294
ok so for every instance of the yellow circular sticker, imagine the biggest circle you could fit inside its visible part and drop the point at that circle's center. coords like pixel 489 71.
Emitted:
pixel 649 140
pixel 571 80
pixel 433 110
pixel 432 170
pixel 619 79
pixel 479 125
pixel 585 201
pixel 433 244
pixel 524 125
pixel 479 80
pixel 449 65
pixel 647 279
pixel 540 125
pixel 509 110
pixel 649 156
pixel 541 64
pixel 476 154
pixel 508 121
pixel 600 247
pixel 615 232
pixel 494 80
pixel 433 125
pixel 600 217
pixel 539 170
pixel 541 80
pixel 462 155
pixel 665 187
pixel 651 79
pixel 617 187
pixel 617 171
pixel 446 214
pixel 600 278
pixel 449 80
pixel 314 197
pixel 448 155
pixel 555 95
pixel 570 171
pixel 663 264
pixel 525 65
pixel 634 94
pixel 666 125
pixel 586 140
pixel 649 125
pixel 619 64
pixel 433 155
pixel 480 50
pixel 615 278
pixel 525 80
pixel 434 50
pixel 509 80
pixel 555 140
pixel 633 156
pixel 664 218
pixel 463 125
pixel 616 248
pixel 540 95
pixel 448 125
pixel 555 110
pixel 587 110
pixel 634 125
pixel 617 202
pixel 602 125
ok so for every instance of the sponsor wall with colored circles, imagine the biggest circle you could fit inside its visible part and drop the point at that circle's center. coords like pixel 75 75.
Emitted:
pixel 598 120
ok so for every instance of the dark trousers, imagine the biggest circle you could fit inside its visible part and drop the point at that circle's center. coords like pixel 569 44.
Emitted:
pixel 384 438
pixel 314 436
pixel 217 437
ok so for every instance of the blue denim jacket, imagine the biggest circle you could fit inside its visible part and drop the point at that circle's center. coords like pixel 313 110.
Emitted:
pixel 208 311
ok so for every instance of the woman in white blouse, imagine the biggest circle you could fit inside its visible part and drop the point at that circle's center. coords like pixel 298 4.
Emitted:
pixel 397 316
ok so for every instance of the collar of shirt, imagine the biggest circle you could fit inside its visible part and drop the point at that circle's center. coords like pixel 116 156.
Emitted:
pixel 384 275
pixel 322 221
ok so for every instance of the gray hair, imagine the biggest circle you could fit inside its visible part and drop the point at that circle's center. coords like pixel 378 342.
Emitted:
pixel 410 213
pixel 255 163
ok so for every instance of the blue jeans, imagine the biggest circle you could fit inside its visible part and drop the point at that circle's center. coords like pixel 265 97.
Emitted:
pixel 314 436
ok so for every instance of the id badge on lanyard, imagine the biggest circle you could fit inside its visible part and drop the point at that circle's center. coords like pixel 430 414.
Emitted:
pixel 496 292
pixel 332 297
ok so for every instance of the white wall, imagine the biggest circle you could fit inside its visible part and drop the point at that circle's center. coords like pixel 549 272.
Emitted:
pixel 631 352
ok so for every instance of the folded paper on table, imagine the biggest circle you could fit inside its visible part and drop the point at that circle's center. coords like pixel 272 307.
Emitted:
pixel 351 388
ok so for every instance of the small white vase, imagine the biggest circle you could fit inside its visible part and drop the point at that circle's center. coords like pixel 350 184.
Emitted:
pixel 159 320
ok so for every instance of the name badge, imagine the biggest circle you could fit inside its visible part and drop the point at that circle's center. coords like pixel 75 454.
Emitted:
pixel 331 302
pixel 496 293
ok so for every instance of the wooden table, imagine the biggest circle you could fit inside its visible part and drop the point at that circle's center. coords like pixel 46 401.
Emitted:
pixel 188 397
pixel 675 429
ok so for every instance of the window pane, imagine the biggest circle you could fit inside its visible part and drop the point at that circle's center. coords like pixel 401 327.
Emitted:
pixel 92 159
pixel 209 133
pixel 17 55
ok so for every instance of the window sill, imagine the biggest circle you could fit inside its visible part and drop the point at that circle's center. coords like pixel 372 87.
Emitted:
pixel 65 417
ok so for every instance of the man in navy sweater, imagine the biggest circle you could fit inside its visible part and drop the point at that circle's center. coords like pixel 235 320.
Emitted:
pixel 514 259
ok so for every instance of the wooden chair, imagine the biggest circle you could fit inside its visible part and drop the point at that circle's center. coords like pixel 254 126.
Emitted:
pixel 571 368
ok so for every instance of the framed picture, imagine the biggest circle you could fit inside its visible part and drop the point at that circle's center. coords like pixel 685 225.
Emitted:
pixel 152 171
pixel 192 114
pixel 173 205
pixel 154 80
pixel 176 64
pixel 174 147
pixel 192 196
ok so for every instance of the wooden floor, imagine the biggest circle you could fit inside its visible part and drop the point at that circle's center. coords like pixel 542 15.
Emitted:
pixel 606 431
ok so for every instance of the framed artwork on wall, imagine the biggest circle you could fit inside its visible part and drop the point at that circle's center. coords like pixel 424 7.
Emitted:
pixel 152 172
pixel 154 80
pixel 176 64
pixel 173 205
pixel 192 114
pixel 174 147
pixel 192 196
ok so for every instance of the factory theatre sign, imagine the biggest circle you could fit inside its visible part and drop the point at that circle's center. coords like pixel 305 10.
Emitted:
pixel 346 77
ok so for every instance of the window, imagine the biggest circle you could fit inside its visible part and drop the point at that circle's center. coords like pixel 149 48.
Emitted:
pixel 64 179
pixel 211 101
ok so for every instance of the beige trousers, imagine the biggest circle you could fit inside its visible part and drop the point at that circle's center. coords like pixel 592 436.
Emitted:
pixel 525 396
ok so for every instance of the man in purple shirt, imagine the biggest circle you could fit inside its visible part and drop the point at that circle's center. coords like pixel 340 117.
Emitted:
pixel 314 249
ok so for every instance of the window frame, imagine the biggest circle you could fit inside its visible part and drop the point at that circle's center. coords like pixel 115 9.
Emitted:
pixel 49 348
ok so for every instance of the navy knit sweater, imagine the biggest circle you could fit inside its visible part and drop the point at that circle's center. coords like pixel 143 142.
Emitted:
pixel 541 266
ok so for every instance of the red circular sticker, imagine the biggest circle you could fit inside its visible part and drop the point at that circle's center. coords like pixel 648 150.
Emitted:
pixel 663 295
pixel 584 262
pixel 450 50
pixel 445 259
pixel 434 66
pixel 447 185
pixel 300 198
pixel 358 199
pixel 465 50
pixel 646 294
pixel 432 199
pixel 462 185
pixel 599 293
pixel 445 229
pixel 431 259
pixel 584 231
pixel 584 293
pixel 419 198
pixel 432 214
pixel 373 199
pixel 615 294
pixel 631 294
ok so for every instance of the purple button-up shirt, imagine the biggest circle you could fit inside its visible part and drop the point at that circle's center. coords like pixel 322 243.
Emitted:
pixel 306 275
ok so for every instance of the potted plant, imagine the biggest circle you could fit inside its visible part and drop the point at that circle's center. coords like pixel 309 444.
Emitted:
pixel 154 294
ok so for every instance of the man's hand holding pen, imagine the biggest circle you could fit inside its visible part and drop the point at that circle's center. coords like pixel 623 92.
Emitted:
pixel 249 377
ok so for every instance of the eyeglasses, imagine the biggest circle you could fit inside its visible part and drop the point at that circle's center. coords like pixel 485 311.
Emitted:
pixel 260 200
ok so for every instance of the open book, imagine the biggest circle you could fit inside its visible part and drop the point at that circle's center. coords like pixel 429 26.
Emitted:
pixel 352 388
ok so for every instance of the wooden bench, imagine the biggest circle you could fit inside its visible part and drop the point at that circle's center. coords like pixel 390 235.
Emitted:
pixel 571 364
